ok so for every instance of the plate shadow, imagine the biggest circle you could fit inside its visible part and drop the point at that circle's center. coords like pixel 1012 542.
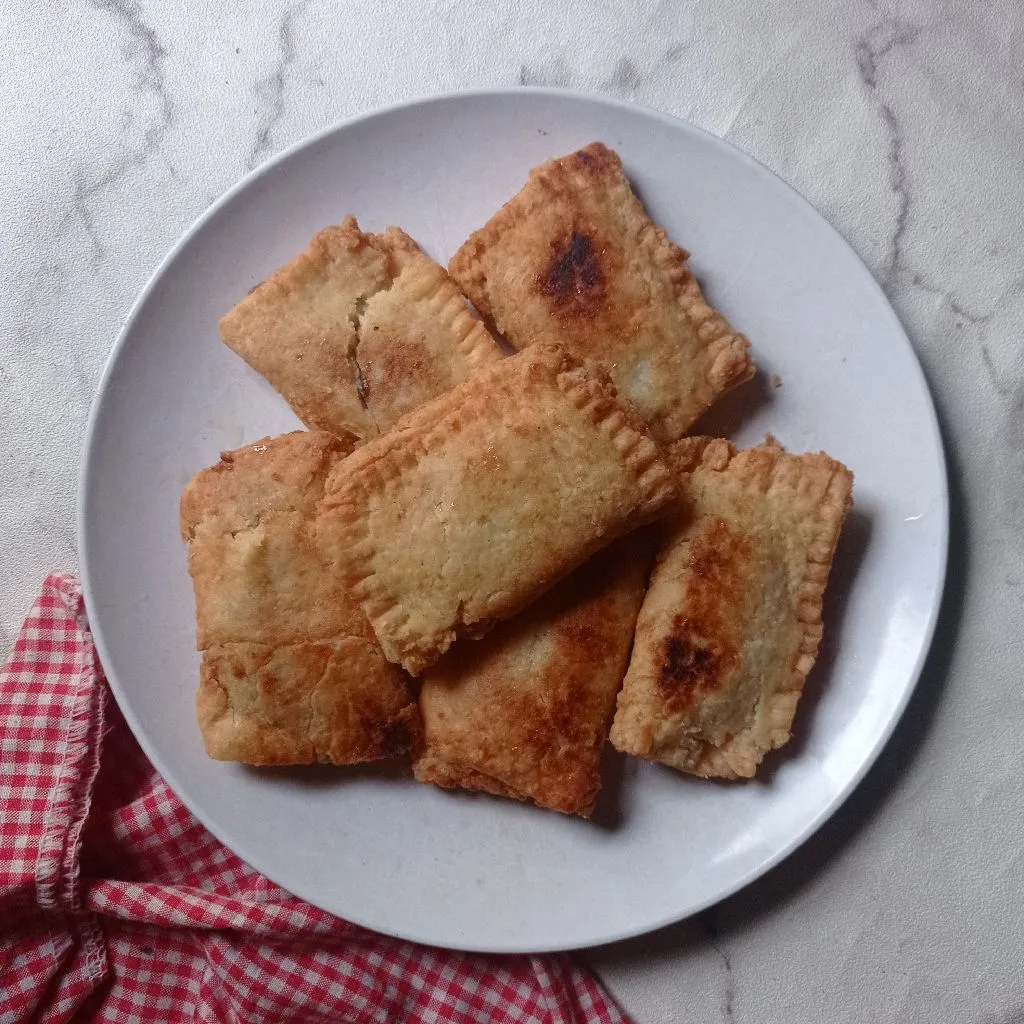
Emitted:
pixel 609 813
pixel 853 543
pixel 735 408
pixel 323 776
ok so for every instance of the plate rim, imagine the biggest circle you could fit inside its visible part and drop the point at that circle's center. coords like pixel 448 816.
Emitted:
pixel 499 92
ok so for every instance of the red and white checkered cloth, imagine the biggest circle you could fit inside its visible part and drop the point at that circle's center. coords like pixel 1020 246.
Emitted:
pixel 117 905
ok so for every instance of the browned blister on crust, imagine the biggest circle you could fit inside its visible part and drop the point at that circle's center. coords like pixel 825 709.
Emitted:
pixel 291 672
pixel 731 622
pixel 574 258
pixel 524 711
pixel 357 330
pixel 483 499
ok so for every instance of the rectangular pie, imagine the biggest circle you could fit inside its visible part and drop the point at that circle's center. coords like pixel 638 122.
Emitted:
pixel 357 330
pixel 525 711
pixel 574 258
pixel 731 622
pixel 482 499
pixel 291 672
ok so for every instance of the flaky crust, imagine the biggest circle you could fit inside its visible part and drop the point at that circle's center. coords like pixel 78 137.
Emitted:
pixel 484 498
pixel 357 330
pixel 416 339
pixel 336 701
pixel 574 258
pixel 731 622
pixel 525 711
pixel 256 571
pixel 291 672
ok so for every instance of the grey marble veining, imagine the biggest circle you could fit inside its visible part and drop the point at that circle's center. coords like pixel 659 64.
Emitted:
pixel 903 122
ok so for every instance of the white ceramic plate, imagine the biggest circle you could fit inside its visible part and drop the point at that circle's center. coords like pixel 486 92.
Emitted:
pixel 471 871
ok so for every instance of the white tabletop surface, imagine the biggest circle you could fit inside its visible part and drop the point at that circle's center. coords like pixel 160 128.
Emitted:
pixel 902 122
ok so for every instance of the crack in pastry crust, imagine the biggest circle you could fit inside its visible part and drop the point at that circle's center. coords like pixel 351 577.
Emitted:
pixel 574 258
pixel 358 330
pixel 484 498
pixel 731 623
pixel 290 670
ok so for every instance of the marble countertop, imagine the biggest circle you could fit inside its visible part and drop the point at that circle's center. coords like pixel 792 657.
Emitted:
pixel 903 122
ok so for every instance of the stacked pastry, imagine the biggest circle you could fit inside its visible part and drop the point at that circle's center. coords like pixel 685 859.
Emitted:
pixel 493 563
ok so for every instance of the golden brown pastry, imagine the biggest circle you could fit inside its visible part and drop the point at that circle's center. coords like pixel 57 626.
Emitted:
pixel 291 672
pixel 574 258
pixel 357 330
pixel 525 711
pixel 731 622
pixel 484 498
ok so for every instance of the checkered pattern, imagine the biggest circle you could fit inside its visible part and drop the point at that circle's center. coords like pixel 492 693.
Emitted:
pixel 116 905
